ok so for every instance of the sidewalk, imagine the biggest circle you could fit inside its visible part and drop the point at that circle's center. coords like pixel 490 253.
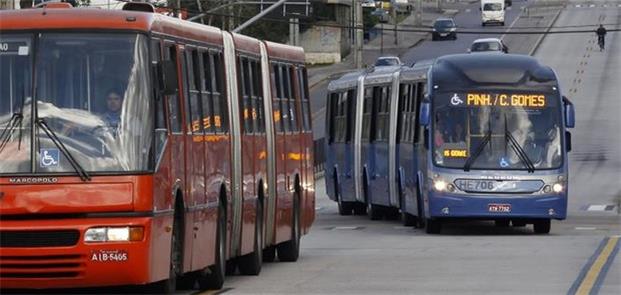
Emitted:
pixel 379 46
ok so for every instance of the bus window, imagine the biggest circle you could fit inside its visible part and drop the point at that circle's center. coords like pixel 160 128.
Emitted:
pixel 306 116
pixel 160 112
pixel 193 117
pixel 245 103
pixel 174 110
pixel 207 82
pixel 419 97
pixel 382 114
pixel 366 113
pixel 350 113
pixel 257 95
pixel 292 100
pixel 220 104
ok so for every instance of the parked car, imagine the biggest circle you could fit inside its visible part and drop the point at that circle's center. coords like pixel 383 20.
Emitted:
pixel 387 61
pixel 487 45
pixel 444 28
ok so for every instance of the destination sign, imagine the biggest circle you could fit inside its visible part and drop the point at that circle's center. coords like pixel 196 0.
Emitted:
pixel 506 100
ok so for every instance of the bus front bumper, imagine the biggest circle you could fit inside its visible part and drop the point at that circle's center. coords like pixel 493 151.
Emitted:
pixel 446 205
pixel 37 264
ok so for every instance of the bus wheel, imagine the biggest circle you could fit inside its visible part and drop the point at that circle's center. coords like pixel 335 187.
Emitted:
pixel 408 219
pixel 289 251
pixel 392 213
pixel 250 264
pixel 542 226
pixel 169 286
pixel 360 208
pixel 374 211
pixel 501 222
pixel 213 277
pixel 269 254
pixel 345 208
pixel 433 226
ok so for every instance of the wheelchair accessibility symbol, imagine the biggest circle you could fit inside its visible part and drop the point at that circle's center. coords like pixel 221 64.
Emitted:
pixel 504 163
pixel 455 100
pixel 49 158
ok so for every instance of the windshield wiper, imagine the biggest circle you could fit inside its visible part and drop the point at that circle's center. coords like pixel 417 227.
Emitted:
pixel 52 135
pixel 518 149
pixel 479 150
pixel 15 120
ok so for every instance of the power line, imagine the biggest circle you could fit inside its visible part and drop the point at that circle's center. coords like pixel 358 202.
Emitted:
pixel 541 31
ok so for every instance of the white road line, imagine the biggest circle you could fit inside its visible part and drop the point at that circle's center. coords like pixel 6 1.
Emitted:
pixel 468 10
pixel 584 228
pixel 596 208
pixel 578 5
pixel 510 26
pixel 346 227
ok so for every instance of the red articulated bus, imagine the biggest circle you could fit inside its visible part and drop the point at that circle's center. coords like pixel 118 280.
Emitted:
pixel 137 148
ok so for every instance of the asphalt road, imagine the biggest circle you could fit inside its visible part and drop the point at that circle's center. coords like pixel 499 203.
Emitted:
pixel 353 255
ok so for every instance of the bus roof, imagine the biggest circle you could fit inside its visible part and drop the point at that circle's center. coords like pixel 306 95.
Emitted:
pixel 468 70
pixel 380 75
pixel 348 80
pixel 81 19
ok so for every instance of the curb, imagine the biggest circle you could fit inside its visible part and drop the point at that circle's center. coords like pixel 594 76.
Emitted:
pixel 540 39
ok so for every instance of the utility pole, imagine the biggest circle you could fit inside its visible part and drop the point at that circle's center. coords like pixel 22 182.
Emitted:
pixel 394 20
pixel 294 32
pixel 359 33
pixel 419 12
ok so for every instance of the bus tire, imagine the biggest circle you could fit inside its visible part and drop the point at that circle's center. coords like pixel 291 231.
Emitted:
pixel 345 208
pixel 360 208
pixel 169 285
pixel 391 213
pixel 501 222
pixel 374 211
pixel 408 219
pixel 433 226
pixel 250 264
pixel 518 222
pixel 269 254
pixel 542 226
pixel 289 251
pixel 213 277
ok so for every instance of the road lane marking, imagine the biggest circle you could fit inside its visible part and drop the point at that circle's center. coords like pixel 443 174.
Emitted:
pixel 214 292
pixel 593 273
pixel 584 228
pixel 510 26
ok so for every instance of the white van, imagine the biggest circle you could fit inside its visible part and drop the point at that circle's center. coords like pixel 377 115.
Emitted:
pixel 493 11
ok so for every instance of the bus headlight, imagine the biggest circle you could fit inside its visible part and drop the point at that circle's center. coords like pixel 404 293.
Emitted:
pixel 557 187
pixel 114 234
pixel 440 185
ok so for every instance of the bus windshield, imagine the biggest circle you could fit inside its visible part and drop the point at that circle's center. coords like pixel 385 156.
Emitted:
pixel 91 90
pixel 498 130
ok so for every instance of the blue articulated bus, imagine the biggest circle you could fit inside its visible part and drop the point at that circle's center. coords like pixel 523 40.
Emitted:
pixel 470 137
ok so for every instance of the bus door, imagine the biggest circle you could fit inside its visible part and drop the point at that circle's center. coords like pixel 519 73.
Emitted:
pixel 340 148
pixel 177 141
pixel 357 142
pixel 308 178
pixel 374 143
pixel 389 121
pixel 195 143
pixel 406 143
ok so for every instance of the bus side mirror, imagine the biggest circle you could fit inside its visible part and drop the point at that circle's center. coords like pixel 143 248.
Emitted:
pixel 568 141
pixel 425 114
pixel 167 75
pixel 570 115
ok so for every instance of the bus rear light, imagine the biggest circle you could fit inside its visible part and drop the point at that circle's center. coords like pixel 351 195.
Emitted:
pixel 557 188
pixel 114 234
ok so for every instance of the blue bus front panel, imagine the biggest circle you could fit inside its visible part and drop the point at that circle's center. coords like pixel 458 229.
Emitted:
pixel 447 205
